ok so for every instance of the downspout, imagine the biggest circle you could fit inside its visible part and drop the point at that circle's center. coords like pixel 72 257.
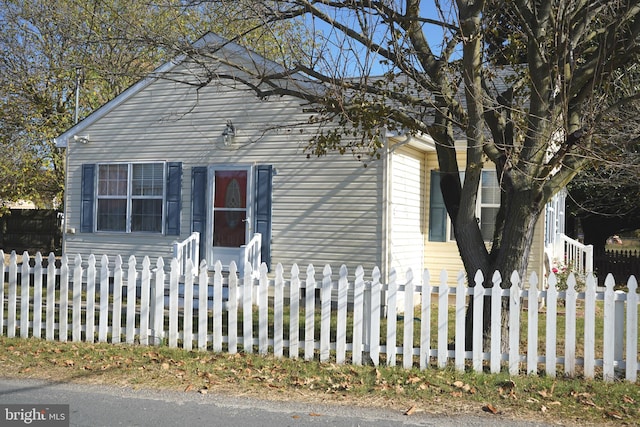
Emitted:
pixel 386 212
pixel 65 217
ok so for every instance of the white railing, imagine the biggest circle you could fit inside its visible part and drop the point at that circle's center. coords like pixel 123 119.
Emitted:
pixel 252 253
pixel 573 255
pixel 100 303
pixel 187 250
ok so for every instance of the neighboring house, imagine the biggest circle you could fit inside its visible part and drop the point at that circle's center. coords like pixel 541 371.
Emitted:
pixel 193 149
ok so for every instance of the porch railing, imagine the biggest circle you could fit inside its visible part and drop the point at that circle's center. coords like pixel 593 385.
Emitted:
pixel 188 249
pixel 573 254
pixel 251 252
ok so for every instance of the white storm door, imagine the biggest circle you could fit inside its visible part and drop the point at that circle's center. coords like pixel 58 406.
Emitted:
pixel 229 214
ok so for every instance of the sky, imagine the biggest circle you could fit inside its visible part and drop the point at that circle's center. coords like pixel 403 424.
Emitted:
pixel 337 40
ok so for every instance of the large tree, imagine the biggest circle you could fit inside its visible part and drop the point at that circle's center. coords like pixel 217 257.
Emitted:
pixel 525 83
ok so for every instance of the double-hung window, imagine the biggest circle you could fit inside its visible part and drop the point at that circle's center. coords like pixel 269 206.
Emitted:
pixel 130 197
pixel 440 228
pixel 489 203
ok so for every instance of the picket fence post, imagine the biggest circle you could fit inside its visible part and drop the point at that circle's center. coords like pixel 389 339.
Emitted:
pixel 496 323
pixel 64 299
pixel 187 320
pixel 103 322
pixel 425 324
pixel 325 314
pixel 309 313
pixel 294 313
pixel 37 296
pixel 443 321
pixel 341 316
pixel 51 292
pixel 589 327
pixel 407 341
pixel 278 313
pixel 478 321
pixel 532 328
pixel 570 327
pixel 374 334
pixel 459 322
pixel 609 329
pixel 514 324
pixel 551 329
pixel 116 323
pixel 24 296
pixel 232 304
pixel 145 298
pixel 247 310
pixel 358 316
pixel 203 305
pixel 392 317
pixel 90 312
pixel 632 330
pixel 174 276
pixel 158 303
pixel 131 301
pixel 217 304
pixel 263 310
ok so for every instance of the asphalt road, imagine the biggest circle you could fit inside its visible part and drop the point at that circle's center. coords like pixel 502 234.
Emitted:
pixel 112 406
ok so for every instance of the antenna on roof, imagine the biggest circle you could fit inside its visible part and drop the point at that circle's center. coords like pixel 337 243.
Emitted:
pixel 78 75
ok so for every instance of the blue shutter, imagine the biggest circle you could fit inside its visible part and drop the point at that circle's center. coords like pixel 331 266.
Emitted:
pixel 199 204
pixel 437 211
pixel 172 199
pixel 262 224
pixel 87 198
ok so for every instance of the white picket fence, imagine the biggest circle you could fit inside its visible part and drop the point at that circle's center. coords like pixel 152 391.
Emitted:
pixel 334 316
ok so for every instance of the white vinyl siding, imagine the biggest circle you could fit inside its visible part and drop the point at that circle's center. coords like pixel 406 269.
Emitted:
pixel 407 211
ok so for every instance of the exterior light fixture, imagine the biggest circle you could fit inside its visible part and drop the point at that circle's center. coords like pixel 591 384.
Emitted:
pixel 81 138
pixel 229 133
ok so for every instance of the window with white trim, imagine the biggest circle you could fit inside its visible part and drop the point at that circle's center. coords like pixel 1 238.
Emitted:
pixel 486 209
pixel 489 203
pixel 130 197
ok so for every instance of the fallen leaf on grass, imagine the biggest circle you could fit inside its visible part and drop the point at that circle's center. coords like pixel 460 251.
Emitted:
pixel 490 408
pixel 613 414
pixel 544 393
pixel 189 387
pixel 464 387
pixel 413 380
pixel 411 410
pixel 627 399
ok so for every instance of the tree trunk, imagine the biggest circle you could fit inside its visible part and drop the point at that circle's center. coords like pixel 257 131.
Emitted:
pixel 510 253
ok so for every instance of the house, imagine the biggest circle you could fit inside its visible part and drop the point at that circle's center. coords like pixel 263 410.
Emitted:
pixel 192 148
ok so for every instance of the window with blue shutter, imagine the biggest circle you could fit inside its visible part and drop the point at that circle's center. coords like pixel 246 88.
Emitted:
pixel 131 197
pixel 87 198
pixel 199 204
pixel 262 225
pixel 172 199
